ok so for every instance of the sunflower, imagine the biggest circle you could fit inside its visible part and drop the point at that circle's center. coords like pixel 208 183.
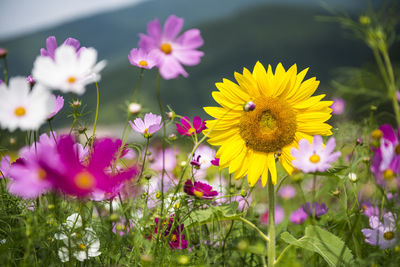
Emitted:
pixel 262 117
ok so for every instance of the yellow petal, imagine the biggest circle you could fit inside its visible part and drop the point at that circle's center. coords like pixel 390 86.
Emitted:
pixel 272 167
pixel 256 167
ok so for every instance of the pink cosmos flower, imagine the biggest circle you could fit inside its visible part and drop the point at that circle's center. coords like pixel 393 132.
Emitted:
pixel 199 189
pixel 172 51
pixel 176 238
pixel 4 166
pixel 58 105
pixel 279 215
pixel 151 124
pixel 215 162
pixel 369 210
pixel 121 228
pixel 338 106
pixel 185 128
pixel 383 234
pixel 298 216
pixel 51 46
pixel 287 192
pixel 75 178
pixel 140 58
pixel 315 157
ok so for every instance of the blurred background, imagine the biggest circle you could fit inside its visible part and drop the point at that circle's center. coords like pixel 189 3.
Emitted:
pixel 237 34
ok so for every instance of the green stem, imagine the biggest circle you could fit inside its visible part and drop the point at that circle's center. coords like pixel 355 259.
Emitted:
pixel 5 70
pixel 271 222
pixel 97 112
pixel 138 84
pixel 51 131
pixel 144 158
pixel 283 253
pixel 255 228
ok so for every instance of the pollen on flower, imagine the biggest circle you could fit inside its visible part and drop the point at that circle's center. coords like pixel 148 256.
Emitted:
pixel 143 63
pixel 388 174
pixel 166 48
pixel 173 238
pixel 397 149
pixel 41 174
pixel 377 134
pixel 191 130
pixel 71 79
pixel 84 180
pixel 388 235
pixel 198 194
pixel 270 126
pixel 20 111
pixel 315 158
pixel 82 246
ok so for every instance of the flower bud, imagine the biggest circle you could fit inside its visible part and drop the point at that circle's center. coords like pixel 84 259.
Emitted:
pixel 352 177
pixel 134 108
pixel 249 106
pixel 336 192
pixel 172 137
pixel 377 134
pixel 297 176
pixel 51 206
pixel 183 259
pixel 359 141
pixel 242 245
pixel 365 20
pixel 12 141
pixel 3 52
pixel 243 192
pixel 76 104
pixel 114 217
pixel 147 176
pixel 171 115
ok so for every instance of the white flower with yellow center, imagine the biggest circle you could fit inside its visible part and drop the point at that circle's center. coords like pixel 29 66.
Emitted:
pixel 69 71
pixel 22 108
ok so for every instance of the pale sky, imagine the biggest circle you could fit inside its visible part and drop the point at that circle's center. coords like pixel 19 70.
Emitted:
pixel 18 17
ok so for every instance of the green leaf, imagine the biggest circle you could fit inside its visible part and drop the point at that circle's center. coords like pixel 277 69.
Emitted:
pixel 218 213
pixel 322 242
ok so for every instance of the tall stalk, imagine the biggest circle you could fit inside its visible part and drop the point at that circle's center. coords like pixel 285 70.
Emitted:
pixel 271 223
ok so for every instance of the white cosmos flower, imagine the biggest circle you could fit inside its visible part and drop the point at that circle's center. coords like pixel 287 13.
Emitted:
pixel 22 108
pixel 82 248
pixel 68 72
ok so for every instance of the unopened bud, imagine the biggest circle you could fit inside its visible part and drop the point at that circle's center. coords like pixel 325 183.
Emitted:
pixel 336 192
pixel 359 141
pixel 297 176
pixel 30 80
pixel 171 115
pixel 183 259
pixel 183 163
pixel 3 52
pixel 242 245
pixel 365 20
pixel 147 176
pixel 172 137
pixel 158 195
pixel 134 108
pixel 114 217
pixel 373 108
pixel 12 141
pixel 352 177
pixel 249 106
pixel 177 205
pixel 51 206
pixel 243 193
pixel 366 159
pixel 377 134
pixel 76 104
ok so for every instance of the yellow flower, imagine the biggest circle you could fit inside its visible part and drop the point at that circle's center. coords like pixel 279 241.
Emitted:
pixel 262 117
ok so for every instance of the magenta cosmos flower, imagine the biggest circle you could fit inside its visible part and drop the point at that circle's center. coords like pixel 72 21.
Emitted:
pixel 4 166
pixel 176 238
pixel 151 124
pixel 75 178
pixel 58 105
pixel 187 128
pixel 172 50
pixel 386 159
pixel 140 58
pixel 315 157
pixel 200 190
pixel 298 216
pixel 381 234
pixel 51 46
pixel 287 192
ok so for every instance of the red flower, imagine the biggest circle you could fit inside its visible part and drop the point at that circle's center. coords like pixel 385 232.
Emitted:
pixel 189 129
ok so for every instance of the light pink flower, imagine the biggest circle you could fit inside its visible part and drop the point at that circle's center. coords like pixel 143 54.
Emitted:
pixel 314 157
pixel 279 215
pixel 383 234
pixel 172 51
pixel 142 59
pixel 338 106
pixel 151 124
pixel 58 105
pixel 287 192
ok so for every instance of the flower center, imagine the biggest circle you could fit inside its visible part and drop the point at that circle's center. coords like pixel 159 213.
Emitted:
pixel 397 149
pixel 41 174
pixel 377 134
pixel 191 130
pixel 166 48
pixel 173 238
pixel 388 174
pixel 315 158
pixel 20 111
pixel 84 180
pixel 82 246
pixel 198 194
pixel 71 79
pixel 388 235
pixel 270 126
pixel 143 63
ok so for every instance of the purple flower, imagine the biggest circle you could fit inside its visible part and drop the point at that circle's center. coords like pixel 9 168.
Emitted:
pixel 188 128
pixel 4 166
pixel 58 105
pixel 172 50
pixel 369 210
pixel 199 189
pixel 338 106
pixel 314 157
pixel 298 216
pixel 142 59
pixel 122 228
pixel 381 234
pixel 386 160
pixel 317 210
pixel 287 192
pixel 215 162
pixel 51 46
pixel 176 238
pixel 279 215
pixel 151 124
pixel 30 80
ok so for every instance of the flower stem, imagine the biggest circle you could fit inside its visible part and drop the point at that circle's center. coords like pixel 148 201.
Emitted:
pixel 138 84
pixel 255 228
pixel 271 222
pixel 5 70
pixel 97 112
